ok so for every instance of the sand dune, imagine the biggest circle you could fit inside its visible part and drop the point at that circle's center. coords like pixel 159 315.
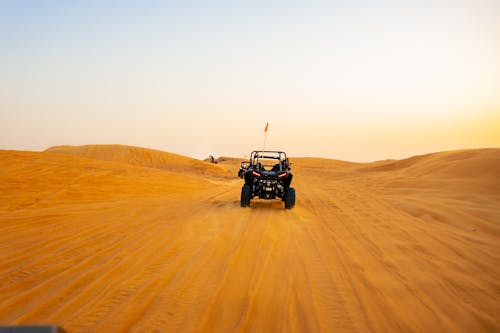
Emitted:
pixel 142 157
pixel 117 238
pixel 478 163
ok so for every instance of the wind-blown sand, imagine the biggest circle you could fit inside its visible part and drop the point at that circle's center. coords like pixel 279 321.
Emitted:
pixel 116 238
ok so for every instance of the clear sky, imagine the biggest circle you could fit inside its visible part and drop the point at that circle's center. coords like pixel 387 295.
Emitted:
pixel 354 80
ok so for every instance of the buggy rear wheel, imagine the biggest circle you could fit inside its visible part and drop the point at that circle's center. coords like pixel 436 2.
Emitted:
pixel 290 198
pixel 245 195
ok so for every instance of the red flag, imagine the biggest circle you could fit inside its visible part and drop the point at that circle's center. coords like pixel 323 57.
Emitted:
pixel 265 129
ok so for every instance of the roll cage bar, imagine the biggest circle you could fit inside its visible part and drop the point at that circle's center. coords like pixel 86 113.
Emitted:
pixel 257 155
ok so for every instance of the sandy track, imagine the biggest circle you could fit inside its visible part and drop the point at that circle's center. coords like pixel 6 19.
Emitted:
pixel 359 252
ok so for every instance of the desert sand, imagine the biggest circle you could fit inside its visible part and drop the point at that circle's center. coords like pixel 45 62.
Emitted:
pixel 116 239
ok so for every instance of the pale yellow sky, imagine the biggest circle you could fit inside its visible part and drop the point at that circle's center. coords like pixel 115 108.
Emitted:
pixel 354 80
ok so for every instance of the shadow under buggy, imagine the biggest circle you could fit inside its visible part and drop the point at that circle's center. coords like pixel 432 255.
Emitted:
pixel 267 176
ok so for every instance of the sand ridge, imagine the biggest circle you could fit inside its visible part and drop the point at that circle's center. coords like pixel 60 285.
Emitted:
pixel 142 157
pixel 116 238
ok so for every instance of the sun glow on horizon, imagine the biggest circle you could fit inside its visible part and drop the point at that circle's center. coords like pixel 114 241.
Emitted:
pixel 350 80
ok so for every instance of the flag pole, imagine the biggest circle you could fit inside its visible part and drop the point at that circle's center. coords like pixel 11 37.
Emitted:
pixel 265 136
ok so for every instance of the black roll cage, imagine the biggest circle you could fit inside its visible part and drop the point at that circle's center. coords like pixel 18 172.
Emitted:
pixel 257 155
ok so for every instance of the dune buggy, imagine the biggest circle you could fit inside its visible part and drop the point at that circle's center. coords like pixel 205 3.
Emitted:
pixel 268 176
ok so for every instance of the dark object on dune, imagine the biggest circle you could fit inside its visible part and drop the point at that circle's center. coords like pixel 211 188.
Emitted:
pixel 268 177
pixel 211 159
pixel 32 329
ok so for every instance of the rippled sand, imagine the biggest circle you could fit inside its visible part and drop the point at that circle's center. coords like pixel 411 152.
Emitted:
pixel 116 239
